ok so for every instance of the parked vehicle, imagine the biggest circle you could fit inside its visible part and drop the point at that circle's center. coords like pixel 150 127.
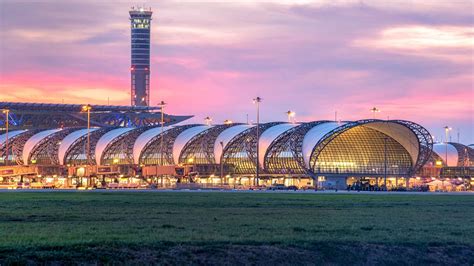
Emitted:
pixel 282 187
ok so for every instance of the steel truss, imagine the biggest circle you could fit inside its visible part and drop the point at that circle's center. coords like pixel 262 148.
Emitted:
pixel 46 151
pixel 285 154
pixel 76 154
pixel 15 148
pixel 120 150
pixel 465 154
pixel 424 139
pixel 241 154
pixel 45 116
pixel 200 149
pixel 151 153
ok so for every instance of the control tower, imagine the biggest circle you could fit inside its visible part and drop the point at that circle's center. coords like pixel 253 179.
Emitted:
pixel 140 19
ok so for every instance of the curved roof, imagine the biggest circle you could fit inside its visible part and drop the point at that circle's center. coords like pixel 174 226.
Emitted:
pixel 226 136
pixel 268 136
pixel 11 134
pixel 314 135
pixel 143 140
pixel 35 139
pixel 184 137
pixel 401 134
pixel 453 156
pixel 69 140
pixel 106 139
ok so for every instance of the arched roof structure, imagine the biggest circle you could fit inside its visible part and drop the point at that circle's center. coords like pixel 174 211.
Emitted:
pixel 34 140
pixel 106 139
pixel 312 148
pixel 314 136
pixel 268 137
pixel 454 154
pixel 11 134
pixel 446 149
pixel 184 138
pixel 226 137
pixel 411 137
pixel 68 141
pixel 143 140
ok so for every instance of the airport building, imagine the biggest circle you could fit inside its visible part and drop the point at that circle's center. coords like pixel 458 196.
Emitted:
pixel 368 153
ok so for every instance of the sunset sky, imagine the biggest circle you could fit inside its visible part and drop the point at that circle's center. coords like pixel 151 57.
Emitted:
pixel 411 59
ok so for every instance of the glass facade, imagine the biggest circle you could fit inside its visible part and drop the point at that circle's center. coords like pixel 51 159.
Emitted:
pixel 363 150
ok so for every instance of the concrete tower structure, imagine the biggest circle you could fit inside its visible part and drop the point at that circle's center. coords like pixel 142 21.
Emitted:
pixel 140 19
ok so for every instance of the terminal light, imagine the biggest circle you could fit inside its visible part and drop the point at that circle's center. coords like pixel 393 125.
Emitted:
pixel 86 108
pixel 290 115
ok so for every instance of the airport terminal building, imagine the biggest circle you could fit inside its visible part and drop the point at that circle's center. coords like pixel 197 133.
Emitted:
pixel 318 153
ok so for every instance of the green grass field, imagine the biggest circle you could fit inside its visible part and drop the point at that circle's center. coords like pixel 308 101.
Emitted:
pixel 235 228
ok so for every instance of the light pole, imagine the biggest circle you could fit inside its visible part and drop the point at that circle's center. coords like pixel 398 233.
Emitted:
pixel 162 123
pixel 374 111
pixel 208 121
pixel 87 108
pixel 290 115
pixel 257 101
pixel 446 131
pixel 385 162
pixel 7 123
pixel 222 157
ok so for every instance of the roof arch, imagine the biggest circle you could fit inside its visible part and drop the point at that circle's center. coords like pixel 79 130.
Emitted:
pixel 106 139
pixel 268 136
pixel 447 152
pixel 226 137
pixel 184 137
pixel 69 140
pixel 143 140
pixel 314 136
pixel 34 140
pixel 415 139
pixel 11 135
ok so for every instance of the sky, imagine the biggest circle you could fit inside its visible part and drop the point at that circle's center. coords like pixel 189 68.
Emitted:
pixel 412 60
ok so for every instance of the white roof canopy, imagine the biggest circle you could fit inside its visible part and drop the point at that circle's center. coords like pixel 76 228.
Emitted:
pixel 268 136
pixel 183 139
pixel 106 139
pixel 11 134
pixel 225 137
pixel 69 140
pixel 314 135
pixel 452 153
pixel 33 141
pixel 143 140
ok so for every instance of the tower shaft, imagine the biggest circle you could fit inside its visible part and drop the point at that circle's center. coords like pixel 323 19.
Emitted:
pixel 140 64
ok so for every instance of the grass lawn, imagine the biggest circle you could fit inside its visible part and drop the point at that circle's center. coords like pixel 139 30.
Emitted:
pixel 235 228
